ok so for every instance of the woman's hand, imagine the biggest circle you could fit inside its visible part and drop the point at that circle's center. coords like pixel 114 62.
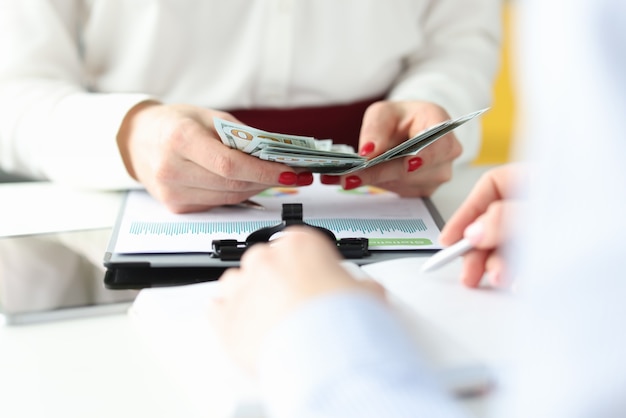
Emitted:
pixel 176 153
pixel 387 124
pixel 483 219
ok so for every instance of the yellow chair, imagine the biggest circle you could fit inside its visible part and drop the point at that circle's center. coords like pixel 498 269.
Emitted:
pixel 497 124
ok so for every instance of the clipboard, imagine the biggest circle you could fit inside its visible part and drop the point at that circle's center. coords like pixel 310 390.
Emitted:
pixel 150 247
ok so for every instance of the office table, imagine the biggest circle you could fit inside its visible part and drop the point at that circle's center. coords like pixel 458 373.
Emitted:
pixel 99 366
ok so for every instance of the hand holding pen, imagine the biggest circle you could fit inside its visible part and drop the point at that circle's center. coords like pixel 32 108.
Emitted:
pixel 479 228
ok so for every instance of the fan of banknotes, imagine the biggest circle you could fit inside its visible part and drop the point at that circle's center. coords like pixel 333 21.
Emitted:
pixel 322 155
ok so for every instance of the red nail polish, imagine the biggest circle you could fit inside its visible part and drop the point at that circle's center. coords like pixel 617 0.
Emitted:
pixel 352 182
pixel 367 149
pixel 288 178
pixel 415 163
pixel 304 179
pixel 327 179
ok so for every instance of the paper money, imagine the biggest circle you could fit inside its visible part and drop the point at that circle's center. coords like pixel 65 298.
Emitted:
pixel 322 155
pixel 249 139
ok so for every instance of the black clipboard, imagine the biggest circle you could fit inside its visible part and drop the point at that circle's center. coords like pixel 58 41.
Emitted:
pixel 142 270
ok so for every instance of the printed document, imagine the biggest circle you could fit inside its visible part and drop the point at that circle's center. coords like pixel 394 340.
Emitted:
pixel 387 220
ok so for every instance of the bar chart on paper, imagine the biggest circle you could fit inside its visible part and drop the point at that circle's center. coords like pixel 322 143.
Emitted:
pixel 337 225
pixel 389 222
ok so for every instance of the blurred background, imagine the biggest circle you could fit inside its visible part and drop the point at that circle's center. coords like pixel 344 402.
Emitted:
pixel 498 126
pixel 498 123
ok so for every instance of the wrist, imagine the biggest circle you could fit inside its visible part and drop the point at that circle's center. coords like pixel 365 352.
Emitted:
pixel 125 133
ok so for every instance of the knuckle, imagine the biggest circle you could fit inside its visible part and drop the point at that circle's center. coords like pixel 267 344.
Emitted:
pixel 456 149
pixel 256 254
pixel 377 107
pixel 235 187
pixel 443 175
pixel 224 165
pixel 168 196
pixel 232 198
pixel 177 138
pixel 451 148
pixel 164 173
pixel 428 191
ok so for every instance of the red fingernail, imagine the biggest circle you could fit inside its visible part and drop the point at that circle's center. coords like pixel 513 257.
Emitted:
pixel 415 163
pixel 352 182
pixel 288 178
pixel 326 179
pixel 367 149
pixel 304 179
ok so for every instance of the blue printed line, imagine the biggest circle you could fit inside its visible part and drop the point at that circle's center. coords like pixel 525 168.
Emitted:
pixel 337 225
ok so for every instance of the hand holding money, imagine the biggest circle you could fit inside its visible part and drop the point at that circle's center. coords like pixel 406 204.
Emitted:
pixel 296 151
pixel 321 155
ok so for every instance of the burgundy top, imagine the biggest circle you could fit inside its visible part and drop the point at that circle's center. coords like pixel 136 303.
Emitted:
pixel 341 123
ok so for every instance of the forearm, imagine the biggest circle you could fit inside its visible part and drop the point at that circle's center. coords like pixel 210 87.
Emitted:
pixel 55 131
pixel 347 355
pixel 53 126
pixel 456 67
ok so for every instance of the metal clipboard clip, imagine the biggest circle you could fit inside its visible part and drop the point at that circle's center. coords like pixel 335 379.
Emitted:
pixel 230 249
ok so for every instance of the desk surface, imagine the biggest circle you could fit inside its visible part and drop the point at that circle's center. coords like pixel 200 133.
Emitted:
pixel 98 366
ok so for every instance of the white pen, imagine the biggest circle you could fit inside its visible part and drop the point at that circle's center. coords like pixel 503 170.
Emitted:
pixel 446 255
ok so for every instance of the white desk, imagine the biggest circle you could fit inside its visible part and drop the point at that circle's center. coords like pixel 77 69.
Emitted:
pixel 98 367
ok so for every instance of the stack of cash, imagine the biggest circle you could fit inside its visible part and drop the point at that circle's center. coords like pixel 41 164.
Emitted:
pixel 322 155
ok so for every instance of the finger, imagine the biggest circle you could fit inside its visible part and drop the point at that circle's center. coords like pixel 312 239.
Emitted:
pixel 398 176
pixel 302 236
pixel 388 123
pixel 188 199
pixel 229 281
pixel 487 231
pixel 496 270
pixel 256 256
pixel 444 150
pixel 189 174
pixel 474 267
pixel 197 144
pixel 379 129
pixel 415 175
pixel 374 287
pixel 423 182
pixel 182 199
pixel 228 274
pixel 489 188
pixel 304 176
pixel 309 240
pixel 240 168
pixel 395 176
pixel 180 192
